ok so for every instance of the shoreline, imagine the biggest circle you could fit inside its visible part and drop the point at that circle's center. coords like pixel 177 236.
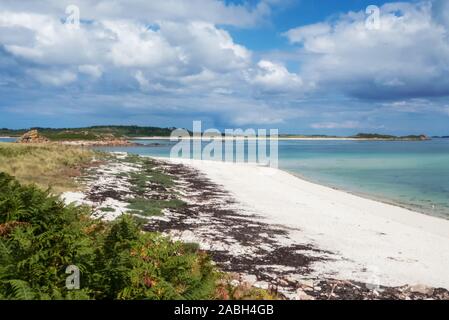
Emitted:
pixel 251 139
pixel 281 139
pixel 361 194
pixel 369 196
pixel 396 245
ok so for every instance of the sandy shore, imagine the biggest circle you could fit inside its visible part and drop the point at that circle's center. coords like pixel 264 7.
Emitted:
pixel 374 242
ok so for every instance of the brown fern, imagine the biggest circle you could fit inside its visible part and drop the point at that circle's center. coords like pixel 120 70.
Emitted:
pixel 8 227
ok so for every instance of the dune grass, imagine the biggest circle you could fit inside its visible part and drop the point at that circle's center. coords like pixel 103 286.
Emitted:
pixel 46 165
pixel 151 207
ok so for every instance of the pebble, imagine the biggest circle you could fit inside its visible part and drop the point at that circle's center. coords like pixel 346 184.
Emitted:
pixel 420 288
pixel 303 296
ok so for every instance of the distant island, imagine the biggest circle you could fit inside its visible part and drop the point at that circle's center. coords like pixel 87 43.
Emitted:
pixel 390 137
pixel 360 136
pixel 117 135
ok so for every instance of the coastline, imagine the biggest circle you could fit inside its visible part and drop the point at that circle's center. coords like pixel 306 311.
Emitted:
pixel 76 142
pixel 371 196
pixel 282 139
pixel 374 240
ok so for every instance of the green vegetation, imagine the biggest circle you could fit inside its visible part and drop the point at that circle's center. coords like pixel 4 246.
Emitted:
pixel 150 207
pixel 40 237
pixel 147 177
pixel 149 174
pixel 93 133
pixel 46 165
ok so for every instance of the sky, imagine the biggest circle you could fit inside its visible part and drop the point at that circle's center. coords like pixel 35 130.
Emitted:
pixel 301 66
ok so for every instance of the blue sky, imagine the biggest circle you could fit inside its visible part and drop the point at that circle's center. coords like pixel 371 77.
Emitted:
pixel 301 66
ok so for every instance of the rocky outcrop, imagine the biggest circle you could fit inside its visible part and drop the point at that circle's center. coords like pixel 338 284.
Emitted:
pixel 101 143
pixel 32 136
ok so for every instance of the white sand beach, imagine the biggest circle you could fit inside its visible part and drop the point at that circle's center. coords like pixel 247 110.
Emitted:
pixel 372 241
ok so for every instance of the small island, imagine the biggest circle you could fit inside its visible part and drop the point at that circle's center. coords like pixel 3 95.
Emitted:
pixel 359 136
pixel 375 136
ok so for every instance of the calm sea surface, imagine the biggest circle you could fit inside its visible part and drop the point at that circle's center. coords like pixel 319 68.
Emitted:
pixel 412 174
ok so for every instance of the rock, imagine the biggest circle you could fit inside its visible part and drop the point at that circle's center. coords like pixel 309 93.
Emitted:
pixel 252 279
pixel 234 283
pixel 32 136
pixel 307 284
pixel 283 282
pixel 118 142
pixel 301 295
pixel 422 289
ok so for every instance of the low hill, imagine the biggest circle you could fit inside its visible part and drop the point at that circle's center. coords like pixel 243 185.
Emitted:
pixel 92 133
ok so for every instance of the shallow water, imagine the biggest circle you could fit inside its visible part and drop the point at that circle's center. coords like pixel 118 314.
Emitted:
pixel 2 139
pixel 412 174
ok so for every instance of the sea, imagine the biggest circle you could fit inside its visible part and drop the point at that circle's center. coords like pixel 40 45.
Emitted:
pixel 412 174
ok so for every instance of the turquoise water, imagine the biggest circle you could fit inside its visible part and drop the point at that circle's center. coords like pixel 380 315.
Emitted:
pixel 7 139
pixel 411 174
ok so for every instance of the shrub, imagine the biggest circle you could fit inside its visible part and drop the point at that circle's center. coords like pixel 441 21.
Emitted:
pixel 40 236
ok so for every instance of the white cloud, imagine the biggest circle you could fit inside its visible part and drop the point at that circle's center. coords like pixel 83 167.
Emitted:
pixel 203 44
pixel 312 36
pixel 271 76
pixel 138 46
pixel 168 50
pixel 408 56
pixel 212 11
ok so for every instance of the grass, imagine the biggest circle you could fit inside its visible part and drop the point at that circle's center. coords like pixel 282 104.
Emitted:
pixel 161 179
pixel 150 174
pixel 151 207
pixel 48 166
